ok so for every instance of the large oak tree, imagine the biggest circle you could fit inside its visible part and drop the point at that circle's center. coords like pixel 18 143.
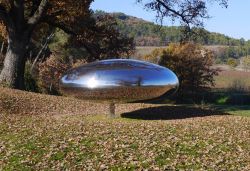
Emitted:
pixel 20 19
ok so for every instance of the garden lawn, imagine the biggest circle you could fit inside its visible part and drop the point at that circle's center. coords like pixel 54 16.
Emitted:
pixel 41 132
pixel 90 142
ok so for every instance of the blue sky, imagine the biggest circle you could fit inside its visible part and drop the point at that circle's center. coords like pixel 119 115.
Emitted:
pixel 233 21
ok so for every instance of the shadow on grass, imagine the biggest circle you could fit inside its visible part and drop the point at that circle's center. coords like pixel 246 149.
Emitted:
pixel 170 113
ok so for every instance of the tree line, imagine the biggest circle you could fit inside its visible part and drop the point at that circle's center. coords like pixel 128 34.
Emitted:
pixel 149 34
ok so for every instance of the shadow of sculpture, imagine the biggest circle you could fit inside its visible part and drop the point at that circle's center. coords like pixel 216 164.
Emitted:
pixel 170 113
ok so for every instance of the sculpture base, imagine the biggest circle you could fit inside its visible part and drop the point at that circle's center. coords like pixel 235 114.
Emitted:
pixel 112 110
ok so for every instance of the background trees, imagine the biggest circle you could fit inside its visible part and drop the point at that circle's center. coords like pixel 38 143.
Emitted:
pixel 149 34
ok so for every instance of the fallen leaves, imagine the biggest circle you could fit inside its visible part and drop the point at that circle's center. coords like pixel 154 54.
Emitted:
pixel 44 134
pixel 77 142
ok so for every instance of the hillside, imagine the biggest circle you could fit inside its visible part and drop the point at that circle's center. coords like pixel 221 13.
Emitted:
pixel 149 34
pixel 22 102
pixel 41 132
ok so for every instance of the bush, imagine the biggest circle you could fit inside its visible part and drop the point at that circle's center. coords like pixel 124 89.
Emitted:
pixel 51 71
pixel 232 62
pixel 154 56
pixel 192 64
pixel 222 100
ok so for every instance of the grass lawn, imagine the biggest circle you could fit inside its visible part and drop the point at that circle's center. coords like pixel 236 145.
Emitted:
pixel 235 110
pixel 41 132
pixel 61 142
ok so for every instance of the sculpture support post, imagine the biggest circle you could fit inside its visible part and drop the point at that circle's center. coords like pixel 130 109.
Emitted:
pixel 112 110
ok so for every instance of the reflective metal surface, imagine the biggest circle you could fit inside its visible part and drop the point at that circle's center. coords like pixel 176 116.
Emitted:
pixel 118 80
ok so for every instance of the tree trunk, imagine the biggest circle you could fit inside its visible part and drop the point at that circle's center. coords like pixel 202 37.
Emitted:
pixel 12 74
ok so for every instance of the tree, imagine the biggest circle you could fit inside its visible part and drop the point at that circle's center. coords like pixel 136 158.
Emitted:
pixel 20 20
pixel 188 12
pixel 192 64
pixel 104 41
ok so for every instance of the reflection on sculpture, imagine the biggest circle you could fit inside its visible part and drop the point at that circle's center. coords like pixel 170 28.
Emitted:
pixel 118 80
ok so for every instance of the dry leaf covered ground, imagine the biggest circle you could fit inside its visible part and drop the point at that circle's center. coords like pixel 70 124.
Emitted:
pixel 56 133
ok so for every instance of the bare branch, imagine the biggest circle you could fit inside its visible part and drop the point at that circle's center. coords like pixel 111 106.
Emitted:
pixel 44 46
pixel 188 12
pixel 177 13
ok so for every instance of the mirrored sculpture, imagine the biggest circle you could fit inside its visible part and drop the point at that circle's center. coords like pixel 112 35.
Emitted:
pixel 119 80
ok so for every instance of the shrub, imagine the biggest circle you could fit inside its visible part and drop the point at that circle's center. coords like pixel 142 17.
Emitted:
pixel 192 64
pixel 154 56
pixel 232 62
pixel 51 70
pixel 222 100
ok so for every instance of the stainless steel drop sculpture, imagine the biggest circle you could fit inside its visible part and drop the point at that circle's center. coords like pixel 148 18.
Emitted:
pixel 118 80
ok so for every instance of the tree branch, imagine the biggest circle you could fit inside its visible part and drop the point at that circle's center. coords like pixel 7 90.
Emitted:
pixel 11 3
pixel 56 13
pixel 35 5
pixel 44 46
pixel 177 13
pixel 4 15
pixel 18 13
pixel 39 13
pixel 49 20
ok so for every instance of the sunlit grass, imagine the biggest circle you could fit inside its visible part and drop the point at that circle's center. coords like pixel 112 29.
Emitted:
pixel 235 110
pixel 43 132
pixel 96 142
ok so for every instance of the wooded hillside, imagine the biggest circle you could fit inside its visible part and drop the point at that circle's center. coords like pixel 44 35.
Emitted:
pixel 147 33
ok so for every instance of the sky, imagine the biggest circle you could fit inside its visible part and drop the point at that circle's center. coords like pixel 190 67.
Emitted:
pixel 233 21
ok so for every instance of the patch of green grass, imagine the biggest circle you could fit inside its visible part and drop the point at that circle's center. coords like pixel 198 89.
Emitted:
pixel 241 112
pixel 235 110
pixel 134 146
pixel 222 100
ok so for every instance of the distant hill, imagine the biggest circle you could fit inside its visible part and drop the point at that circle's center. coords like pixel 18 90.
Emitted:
pixel 147 33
